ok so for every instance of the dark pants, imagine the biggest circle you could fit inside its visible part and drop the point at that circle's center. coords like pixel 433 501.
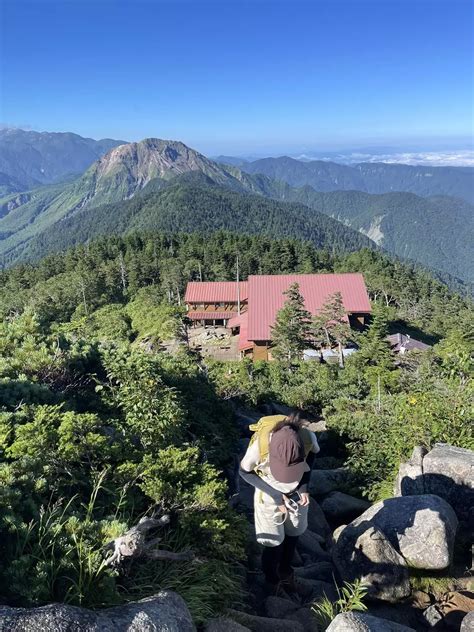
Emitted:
pixel 276 560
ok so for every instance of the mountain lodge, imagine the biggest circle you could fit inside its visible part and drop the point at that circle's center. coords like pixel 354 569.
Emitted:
pixel 249 308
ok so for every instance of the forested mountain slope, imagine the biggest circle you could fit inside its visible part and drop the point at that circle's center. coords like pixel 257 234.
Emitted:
pixel 34 158
pixel 194 205
pixel 120 174
pixel 435 232
pixel 366 176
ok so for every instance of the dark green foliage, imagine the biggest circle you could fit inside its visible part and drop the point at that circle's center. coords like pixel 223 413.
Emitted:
pixel 98 424
pixel 291 332
pixel 330 327
pixel 186 207
pixel 92 436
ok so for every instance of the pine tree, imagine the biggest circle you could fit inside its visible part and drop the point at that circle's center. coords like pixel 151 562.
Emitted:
pixel 374 346
pixel 292 330
pixel 330 326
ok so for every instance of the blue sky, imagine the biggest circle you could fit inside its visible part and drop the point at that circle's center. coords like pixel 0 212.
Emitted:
pixel 243 76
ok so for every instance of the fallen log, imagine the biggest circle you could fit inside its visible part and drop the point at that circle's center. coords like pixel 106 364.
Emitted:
pixel 135 544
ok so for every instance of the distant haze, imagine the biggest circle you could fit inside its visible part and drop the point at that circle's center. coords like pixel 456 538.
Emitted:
pixel 445 158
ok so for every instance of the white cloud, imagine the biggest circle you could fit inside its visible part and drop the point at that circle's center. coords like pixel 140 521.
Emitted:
pixel 463 158
pixel 459 158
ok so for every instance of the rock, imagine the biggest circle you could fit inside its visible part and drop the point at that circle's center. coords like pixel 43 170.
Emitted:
pixel 433 616
pixel 246 417
pixel 361 622
pixel 319 426
pixel 280 409
pixel 278 608
pixel 306 618
pixel 364 552
pixel 409 480
pixel 338 506
pixel 314 590
pixel 467 624
pixel 164 612
pixel 421 528
pixel 401 613
pixel 337 532
pixel 297 560
pixel 310 543
pixel 224 625
pixel 321 571
pixel 265 624
pixel 445 471
pixel 449 472
pixel 326 481
pixel 317 520
pixel 450 611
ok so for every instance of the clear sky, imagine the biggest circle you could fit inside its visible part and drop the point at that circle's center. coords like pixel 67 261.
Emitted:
pixel 235 76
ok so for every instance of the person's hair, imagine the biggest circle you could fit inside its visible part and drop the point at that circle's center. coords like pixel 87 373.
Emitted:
pixel 294 420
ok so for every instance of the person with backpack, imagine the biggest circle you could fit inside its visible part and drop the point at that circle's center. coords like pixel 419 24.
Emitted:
pixel 278 464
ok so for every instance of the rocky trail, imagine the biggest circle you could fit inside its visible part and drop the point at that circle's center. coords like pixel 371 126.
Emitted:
pixel 424 529
pixel 412 552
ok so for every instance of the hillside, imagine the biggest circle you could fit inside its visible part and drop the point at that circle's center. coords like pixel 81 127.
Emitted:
pixel 192 204
pixel 436 232
pixel 398 222
pixel 368 177
pixel 120 174
pixel 104 423
pixel 34 158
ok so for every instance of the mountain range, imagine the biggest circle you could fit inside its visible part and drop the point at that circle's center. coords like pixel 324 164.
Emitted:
pixel 29 159
pixel 166 185
pixel 370 177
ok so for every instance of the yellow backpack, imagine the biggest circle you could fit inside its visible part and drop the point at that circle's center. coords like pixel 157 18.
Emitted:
pixel 263 429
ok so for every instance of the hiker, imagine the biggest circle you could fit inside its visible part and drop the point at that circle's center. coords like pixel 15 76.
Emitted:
pixel 278 464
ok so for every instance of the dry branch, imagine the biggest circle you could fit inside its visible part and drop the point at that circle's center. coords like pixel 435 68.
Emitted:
pixel 135 544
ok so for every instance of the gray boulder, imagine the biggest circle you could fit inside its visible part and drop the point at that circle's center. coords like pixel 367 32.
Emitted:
pixel 363 552
pixel 445 471
pixel 467 624
pixel 361 622
pixel 421 528
pixel 321 571
pixel 324 481
pixel 265 624
pixel 449 472
pixel 224 625
pixel 310 543
pixel 317 520
pixel 313 590
pixel 164 612
pixel 338 506
pixel 278 608
pixel 306 618
pixel 410 474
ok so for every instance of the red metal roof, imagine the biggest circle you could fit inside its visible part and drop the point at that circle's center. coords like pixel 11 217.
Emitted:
pixel 209 315
pixel 244 342
pixel 266 296
pixel 215 292
pixel 235 321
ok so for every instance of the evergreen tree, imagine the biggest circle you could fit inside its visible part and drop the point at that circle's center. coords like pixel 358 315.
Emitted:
pixel 292 330
pixel 374 346
pixel 330 326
